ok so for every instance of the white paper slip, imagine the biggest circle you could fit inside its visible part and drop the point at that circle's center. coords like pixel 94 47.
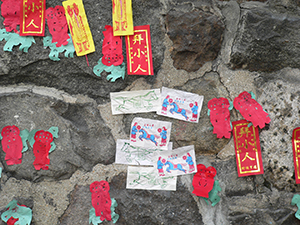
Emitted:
pixel 135 101
pixel 180 105
pixel 146 178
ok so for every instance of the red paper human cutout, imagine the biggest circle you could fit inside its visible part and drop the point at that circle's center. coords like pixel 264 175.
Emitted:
pixel 251 110
pixel 41 149
pixel 203 181
pixel 111 48
pixel 296 153
pixel 12 221
pixel 10 10
pixel 12 145
pixel 57 24
pixel 220 116
pixel 101 199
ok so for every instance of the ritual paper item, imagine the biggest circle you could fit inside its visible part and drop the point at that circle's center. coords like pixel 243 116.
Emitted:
pixel 180 105
pixel 32 21
pixel 139 52
pixel 135 101
pixel 296 153
pixel 122 17
pixel 79 27
pixel 146 178
pixel 149 133
pixel 247 149
pixel 10 10
pixel 16 214
pixel 179 161
pixel 126 153
pixel 203 180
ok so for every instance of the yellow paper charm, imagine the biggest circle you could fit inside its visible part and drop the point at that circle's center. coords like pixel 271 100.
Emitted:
pixel 122 17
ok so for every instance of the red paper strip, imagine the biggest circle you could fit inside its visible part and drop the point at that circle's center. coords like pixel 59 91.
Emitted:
pixel 220 116
pixel 41 148
pixel 57 24
pixel 139 52
pixel 296 153
pixel 32 18
pixel 12 145
pixel 203 181
pixel 247 149
pixel 111 48
pixel 10 10
pixel 101 199
pixel 251 110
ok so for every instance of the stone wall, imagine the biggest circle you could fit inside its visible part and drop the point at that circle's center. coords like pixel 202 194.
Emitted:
pixel 210 47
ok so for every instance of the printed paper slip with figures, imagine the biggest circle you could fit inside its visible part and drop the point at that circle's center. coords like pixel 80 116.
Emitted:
pixel 135 101
pixel 180 105
pixel 180 161
pixel 146 178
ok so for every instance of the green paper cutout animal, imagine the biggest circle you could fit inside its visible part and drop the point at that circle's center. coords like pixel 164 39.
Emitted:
pixel 116 71
pixel 213 194
pixel 296 201
pixel 22 213
pixel 95 220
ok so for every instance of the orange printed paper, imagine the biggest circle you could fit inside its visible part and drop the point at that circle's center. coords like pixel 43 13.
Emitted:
pixel 122 17
pixel 296 151
pixel 32 22
pixel 139 52
pixel 79 27
pixel 247 149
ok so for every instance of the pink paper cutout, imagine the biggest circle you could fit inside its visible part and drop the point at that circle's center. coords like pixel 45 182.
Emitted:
pixel 220 116
pixel 111 48
pixel 101 199
pixel 251 110
pixel 203 181
pixel 57 24
pixel 41 148
pixel 12 145
pixel 10 10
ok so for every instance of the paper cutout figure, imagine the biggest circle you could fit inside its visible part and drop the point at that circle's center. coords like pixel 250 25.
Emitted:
pixel 79 27
pixel 24 136
pixel 101 199
pixel 13 39
pixel 139 52
pixel 116 71
pixel 296 153
pixel 220 116
pixel 57 24
pixel 247 149
pixel 135 101
pixel 180 105
pixel 296 201
pixel 213 194
pixel 203 180
pixel 12 145
pixel 54 53
pixel 17 214
pixel 10 10
pixel 111 48
pixel 122 17
pixel 251 110
pixel 32 17
pixel 52 130
pixel 95 220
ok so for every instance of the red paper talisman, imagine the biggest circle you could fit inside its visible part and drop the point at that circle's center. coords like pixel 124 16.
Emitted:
pixel 296 152
pixel 10 10
pixel 203 180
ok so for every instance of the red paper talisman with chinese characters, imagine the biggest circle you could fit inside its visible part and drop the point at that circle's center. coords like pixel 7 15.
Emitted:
pixel 32 18
pixel 296 152
pixel 247 149
pixel 139 52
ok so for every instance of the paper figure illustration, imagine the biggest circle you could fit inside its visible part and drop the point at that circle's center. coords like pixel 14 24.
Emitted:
pixel 126 153
pixel 296 201
pixel 95 220
pixel 149 133
pixel 213 194
pixel 203 180
pixel 251 110
pixel 122 17
pixel 135 101
pixel 57 24
pixel 13 39
pixel 247 149
pixel 32 18
pixel 296 153
pixel 139 52
pixel 17 214
pixel 10 10
pixel 180 105
pixel 146 178
pixel 218 110
pixel 115 71
pixel 79 27
pixel 179 161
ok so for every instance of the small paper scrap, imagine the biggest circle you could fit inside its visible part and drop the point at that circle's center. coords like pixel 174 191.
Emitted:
pixel 146 178
pixel 10 10
pixel 135 101
pixel 180 105
pixel 126 153
pixel 180 161
pixel 203 180
pixel 0 172
pixel 122 17
pixel 13 39
pixel 149 133
pixel 296 151
pixel 95 220
pixel 296 201
pixel 14 212
pixel 213 194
